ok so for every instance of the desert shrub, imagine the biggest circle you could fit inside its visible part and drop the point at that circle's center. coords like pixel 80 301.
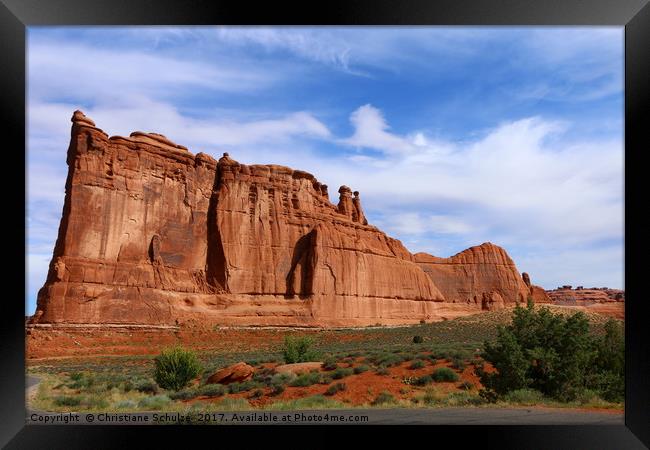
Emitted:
pixel 234 388
pixel 458 363
pixel 341 373
pixel 423 380
pixel 277 389
pixel 330 363
pixel 282 379
pixel 263 375
pixel 154 403
pixel 444 374
pixel 588 396
pixel 555 355
pixel 466 386
pixel 360 369
pixel 382 371
pixel 463 399
pixel 306 379
pixel 386 360
pixel 175 368
pixel 383 398
pixel 418 339
pixel 126 404
pixel 146 386
pixel 94 401
pixel 127 386
pixel 336 387
pixel 524 396
pixel 325 379
pixel 80 380
pixel 417 364
pixel 313 402
pixel 184 394
pixel 67 400
pixel 257 393
pixel 298 349
pixel 233 404
pixel 212 390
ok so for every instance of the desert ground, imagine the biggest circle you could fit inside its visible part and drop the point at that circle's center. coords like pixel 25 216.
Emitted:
pixel 72 368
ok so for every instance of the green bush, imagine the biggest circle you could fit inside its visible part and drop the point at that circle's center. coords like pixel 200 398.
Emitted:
pixel 463 399
pixel 330 363
pixel 278 389
pixel 154 403
pixel 234 388
pixel 555 355
pixel 175 368
pixel 212 390
pixel 67 400
pixel 608 373
pixel 524 397
pixel 184 394
pixel 383 398
pixel 386 360
pixel 298 349
pixel 341 373
pixel 282 379
pixel 458 363
pixel 382 371
pixel 80 380
pixel 417 364
pixel 444 374
pixel 423 380
pixel 418 339
pixel 146 386
pixel 257 393
pixel 360 369
pixel 336 387
pixel 306 379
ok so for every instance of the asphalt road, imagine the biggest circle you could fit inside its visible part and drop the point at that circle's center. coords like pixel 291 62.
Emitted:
pixel 494 416
pixel 433 416
pixel 32 381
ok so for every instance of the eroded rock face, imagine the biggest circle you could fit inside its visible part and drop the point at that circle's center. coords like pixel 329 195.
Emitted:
pixel 152 234
pixel 468 275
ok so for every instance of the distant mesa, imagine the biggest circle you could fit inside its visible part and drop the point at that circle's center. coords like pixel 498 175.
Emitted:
pixel 152 234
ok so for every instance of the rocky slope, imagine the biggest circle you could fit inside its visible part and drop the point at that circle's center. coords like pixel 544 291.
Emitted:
pixel 152 234
pixel 580 295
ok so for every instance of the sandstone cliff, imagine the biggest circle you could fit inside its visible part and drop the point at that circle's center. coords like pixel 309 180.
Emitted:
pixel 152 234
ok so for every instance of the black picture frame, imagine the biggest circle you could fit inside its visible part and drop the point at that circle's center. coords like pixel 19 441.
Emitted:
pixel 634 15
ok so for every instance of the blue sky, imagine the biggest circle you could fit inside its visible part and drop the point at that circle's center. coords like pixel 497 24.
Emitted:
pixel 453 135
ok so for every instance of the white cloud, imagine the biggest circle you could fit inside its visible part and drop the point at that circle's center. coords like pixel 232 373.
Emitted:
pixel 115 75
pixel 371 131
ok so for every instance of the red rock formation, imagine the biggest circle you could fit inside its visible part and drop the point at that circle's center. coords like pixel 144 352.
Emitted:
pixel 152 234
pixel 481 276
pixel 580 295
pixel 231 374
pixel 538 294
